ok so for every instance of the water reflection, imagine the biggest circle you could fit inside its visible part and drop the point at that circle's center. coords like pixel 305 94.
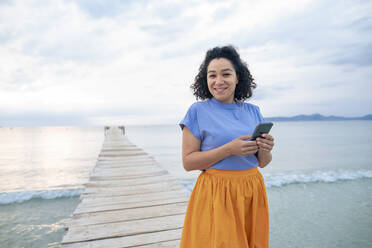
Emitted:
pixel 47 157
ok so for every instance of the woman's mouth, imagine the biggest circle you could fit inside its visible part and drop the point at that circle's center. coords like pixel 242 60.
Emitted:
pixel 220 90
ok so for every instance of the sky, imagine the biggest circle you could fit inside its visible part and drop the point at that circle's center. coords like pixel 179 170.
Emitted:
pixel 95 62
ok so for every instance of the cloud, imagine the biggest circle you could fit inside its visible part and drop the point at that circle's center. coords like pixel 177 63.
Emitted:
pixel 93 58
pixel 326 32
pixel 47 118
pixel 104 9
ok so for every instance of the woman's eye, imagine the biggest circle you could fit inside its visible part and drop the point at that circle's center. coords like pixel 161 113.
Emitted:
pixel 212 76
pixel 226 74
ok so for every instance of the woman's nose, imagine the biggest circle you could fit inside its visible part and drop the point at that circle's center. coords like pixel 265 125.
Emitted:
pixel 219 80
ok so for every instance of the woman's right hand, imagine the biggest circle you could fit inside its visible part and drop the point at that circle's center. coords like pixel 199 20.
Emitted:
pixel 243 148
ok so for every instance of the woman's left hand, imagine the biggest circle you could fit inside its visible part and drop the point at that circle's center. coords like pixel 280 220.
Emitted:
pixel 266 142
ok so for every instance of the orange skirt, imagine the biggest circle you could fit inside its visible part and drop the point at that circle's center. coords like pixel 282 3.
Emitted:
pixel 227 209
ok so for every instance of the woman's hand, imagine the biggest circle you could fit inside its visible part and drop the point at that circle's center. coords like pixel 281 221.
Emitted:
pixel 243 148
pixel 265 143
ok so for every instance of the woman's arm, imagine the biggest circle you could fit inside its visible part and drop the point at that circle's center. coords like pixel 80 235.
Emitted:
pixel 194 159
pixel 265 144
pixel 264 158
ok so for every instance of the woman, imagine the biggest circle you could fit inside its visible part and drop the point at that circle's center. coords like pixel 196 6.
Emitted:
pixel 228 205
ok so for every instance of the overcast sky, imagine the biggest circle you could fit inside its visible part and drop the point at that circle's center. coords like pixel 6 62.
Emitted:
pixel 93 62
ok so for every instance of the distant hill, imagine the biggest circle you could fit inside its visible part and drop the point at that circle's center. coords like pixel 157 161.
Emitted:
pixel 318 117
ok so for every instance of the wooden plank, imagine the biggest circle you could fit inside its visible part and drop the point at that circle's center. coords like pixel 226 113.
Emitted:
pixel 123 215
pixel 127 172
pixel 124 159
pixel 168 244
pixel 122 141
pixel 134 191
pixel 108 160
pixel 113 230
pixel 130 181
pixel 126 165
pixel 128 190
pixel 127 160
pixel 124 170
pixel 121 206
pixel 120 164
pixel 139 174
pixel 112 160
pixel 122 154
pixel 119 149
pixel 120 159
pixel 152 238
pixel 108 200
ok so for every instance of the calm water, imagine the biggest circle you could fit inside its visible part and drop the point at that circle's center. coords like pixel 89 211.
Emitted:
pixel 318 183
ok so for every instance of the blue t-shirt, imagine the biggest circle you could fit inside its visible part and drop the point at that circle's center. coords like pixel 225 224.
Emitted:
pixel 216 123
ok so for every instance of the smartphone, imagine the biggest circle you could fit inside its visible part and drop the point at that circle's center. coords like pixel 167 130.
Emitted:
pixel 263 127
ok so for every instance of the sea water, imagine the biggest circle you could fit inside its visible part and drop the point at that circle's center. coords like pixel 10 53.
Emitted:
pixel 318 183
pixel 42 174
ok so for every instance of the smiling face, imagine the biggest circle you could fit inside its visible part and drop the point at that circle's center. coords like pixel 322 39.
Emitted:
pixel 222 80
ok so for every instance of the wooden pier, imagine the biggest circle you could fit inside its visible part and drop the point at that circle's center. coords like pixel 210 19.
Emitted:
pixel 130 201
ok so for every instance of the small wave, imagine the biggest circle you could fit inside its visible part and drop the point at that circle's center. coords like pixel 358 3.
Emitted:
pixel 281 179
pixel 18 197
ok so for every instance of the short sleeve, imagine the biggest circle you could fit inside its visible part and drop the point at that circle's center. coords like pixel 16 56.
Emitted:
pixel 259 115
pixel 191 121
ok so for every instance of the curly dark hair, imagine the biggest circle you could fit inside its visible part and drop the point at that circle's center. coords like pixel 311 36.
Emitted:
pixel 245 84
